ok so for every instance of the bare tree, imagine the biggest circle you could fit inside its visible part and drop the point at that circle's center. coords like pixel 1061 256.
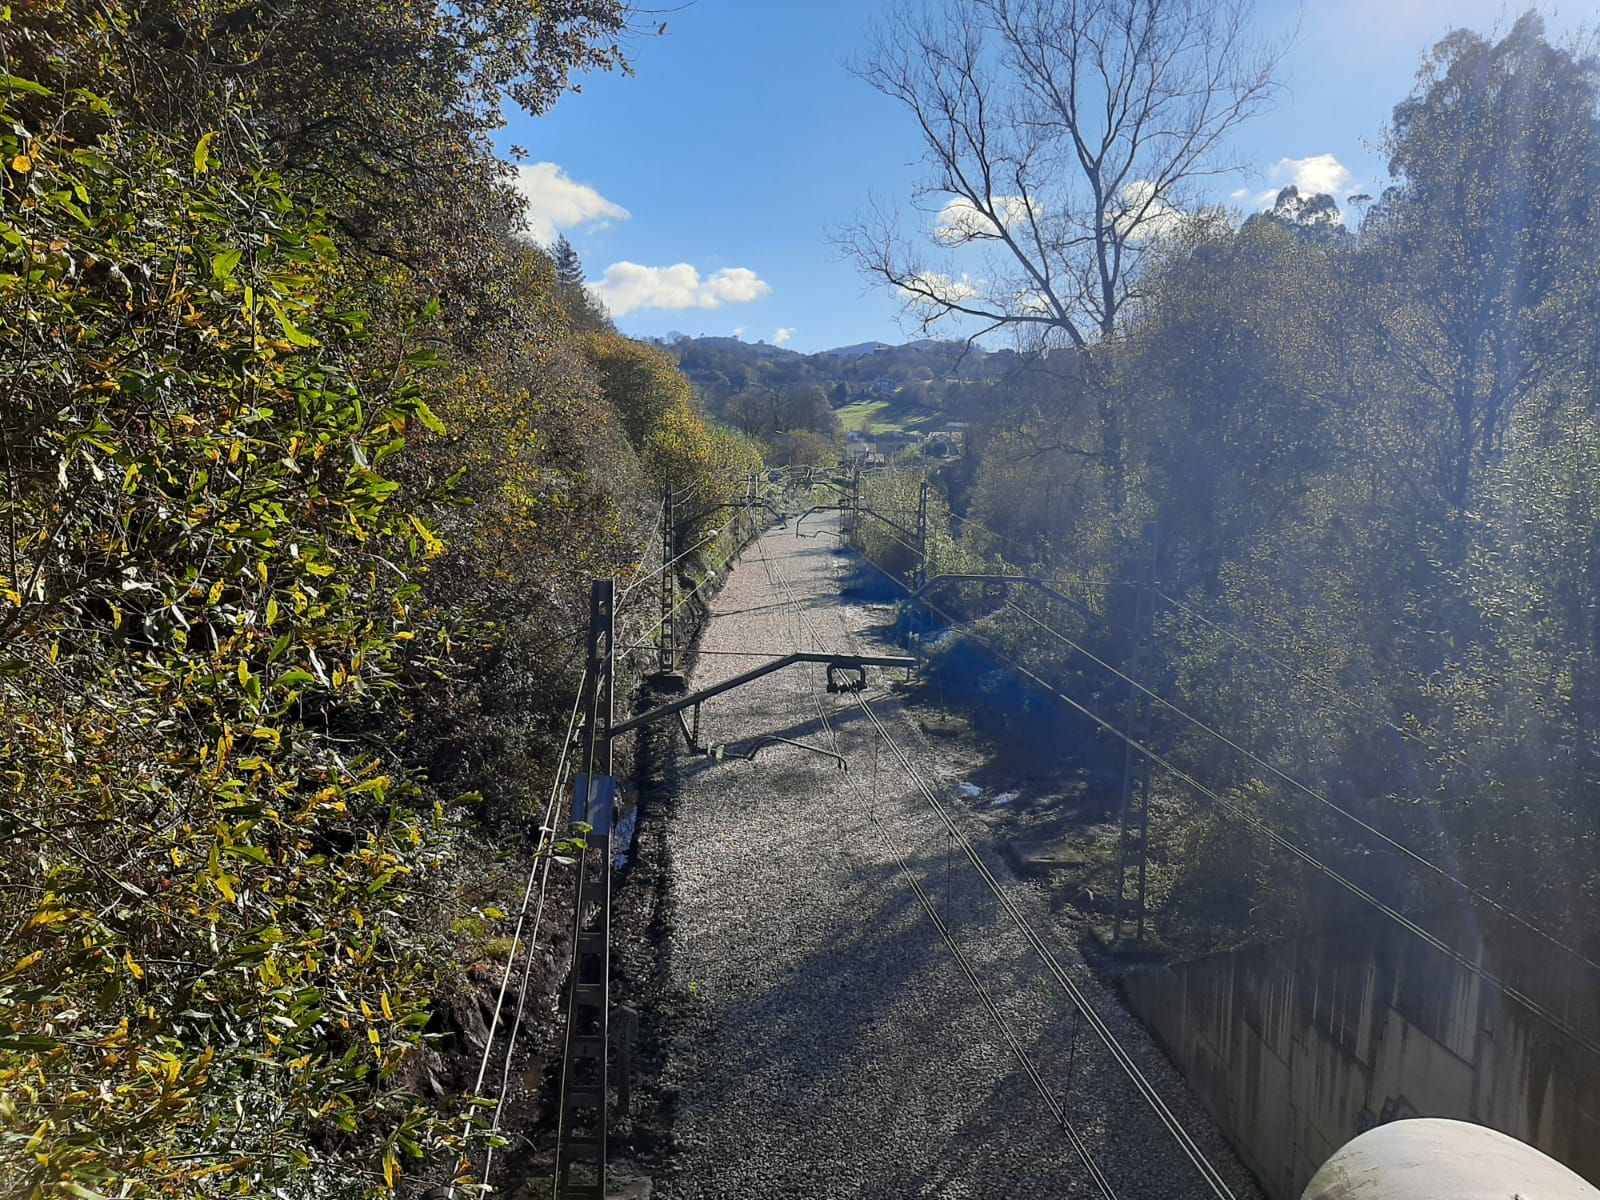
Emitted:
pixel 1062 138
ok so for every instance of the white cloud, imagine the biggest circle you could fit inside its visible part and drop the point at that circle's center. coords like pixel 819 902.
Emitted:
pixel 739 331
pixel 931 287
pixel 1317 175
pixel 782 337
pixel 1241 194
pixel 1144 215
pixel 961 221
pixel 553 201
pixel 627 287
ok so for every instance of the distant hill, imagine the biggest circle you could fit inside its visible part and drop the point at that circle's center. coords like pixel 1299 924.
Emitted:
pixel 868 385
pixel 858 349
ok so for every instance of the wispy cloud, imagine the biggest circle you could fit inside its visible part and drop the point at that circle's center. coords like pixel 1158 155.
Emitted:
pixel 782 337
pixel 627 287
pixel 554 201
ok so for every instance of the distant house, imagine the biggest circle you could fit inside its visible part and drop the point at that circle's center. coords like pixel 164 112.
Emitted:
pixel 885 387
pixel 864 454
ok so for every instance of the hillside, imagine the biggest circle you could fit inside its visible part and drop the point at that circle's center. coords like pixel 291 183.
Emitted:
pixel 869 386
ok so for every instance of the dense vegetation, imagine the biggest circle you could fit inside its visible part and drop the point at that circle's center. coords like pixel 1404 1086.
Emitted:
pixel 309 457
pixel 1371 454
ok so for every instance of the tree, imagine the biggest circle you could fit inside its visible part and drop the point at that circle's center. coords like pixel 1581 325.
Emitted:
pixel 642 381
pixel 569 267
pixel 1062 138
pixel 1315 218
pixel 1485 248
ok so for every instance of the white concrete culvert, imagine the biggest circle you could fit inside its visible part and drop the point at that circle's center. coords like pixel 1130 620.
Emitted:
pixel 829 1045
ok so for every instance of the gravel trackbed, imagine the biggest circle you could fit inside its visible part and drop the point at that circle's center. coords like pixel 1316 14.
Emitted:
pixel 828 1044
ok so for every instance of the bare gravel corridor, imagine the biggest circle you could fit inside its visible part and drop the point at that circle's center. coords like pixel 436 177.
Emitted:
pixel 831 1046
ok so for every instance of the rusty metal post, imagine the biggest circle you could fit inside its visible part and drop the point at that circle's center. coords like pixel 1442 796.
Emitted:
pixel 852 520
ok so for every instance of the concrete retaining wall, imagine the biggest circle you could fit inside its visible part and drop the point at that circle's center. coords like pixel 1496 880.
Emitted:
pixel 1297 1046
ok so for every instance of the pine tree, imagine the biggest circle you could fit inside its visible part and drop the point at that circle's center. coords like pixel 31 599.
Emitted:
pixel 569 267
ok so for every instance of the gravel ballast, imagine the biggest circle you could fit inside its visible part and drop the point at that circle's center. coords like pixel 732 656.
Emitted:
pixel 820 1039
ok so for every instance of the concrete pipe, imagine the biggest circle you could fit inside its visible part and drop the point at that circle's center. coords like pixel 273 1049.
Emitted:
pixel 1433 1159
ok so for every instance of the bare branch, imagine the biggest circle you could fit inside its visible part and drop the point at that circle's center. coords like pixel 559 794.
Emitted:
pixel 1062 138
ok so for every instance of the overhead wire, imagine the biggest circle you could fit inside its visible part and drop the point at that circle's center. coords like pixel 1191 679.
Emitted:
pixel 710 537
pixel 1300 853
pixel 1119 1053
pixel 1327 689
pixel 1332 805
pixel 1031 1069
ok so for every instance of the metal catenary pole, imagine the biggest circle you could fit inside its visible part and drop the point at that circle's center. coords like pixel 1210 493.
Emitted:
pixel 1134 823
pixel 581 1132
pixel 921 575
pixel 667 655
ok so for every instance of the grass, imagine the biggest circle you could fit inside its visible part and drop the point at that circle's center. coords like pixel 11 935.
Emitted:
pixel 890 415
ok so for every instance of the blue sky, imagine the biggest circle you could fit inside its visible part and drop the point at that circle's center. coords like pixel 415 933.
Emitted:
pixel 702 191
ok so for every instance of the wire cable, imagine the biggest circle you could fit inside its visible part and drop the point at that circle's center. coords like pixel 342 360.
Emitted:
pixel 1327 689
pixel 710 537
pixel 1334 806
pixel 1119 1053
pixel 1522 999
pixel 542 861
pixel 1035 1075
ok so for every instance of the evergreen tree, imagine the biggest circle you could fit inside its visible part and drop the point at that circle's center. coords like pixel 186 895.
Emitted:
pixel 569 267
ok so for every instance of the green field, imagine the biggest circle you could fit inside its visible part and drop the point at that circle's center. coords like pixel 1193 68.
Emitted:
pixel 888 415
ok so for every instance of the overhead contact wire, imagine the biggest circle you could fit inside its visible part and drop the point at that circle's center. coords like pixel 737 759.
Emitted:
pixel 1304 788
pixel 1057 1109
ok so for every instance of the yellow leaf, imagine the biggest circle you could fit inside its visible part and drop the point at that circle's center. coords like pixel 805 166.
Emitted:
pixel 389 1166
pixel 202 153
pixel 387 1010
pixel 22 163
pixel 372 1036
pixel 27 960
pixel 133 968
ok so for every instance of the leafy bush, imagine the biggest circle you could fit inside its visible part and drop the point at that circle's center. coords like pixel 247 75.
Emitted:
pixel 215 974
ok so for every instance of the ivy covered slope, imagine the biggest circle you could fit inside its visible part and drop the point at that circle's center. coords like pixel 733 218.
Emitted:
pixel 281 509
